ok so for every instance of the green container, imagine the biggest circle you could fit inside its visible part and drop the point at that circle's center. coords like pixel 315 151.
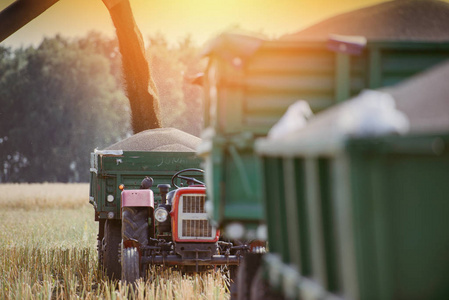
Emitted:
pixel 110 168
pixel 233 180
pixel 361 219
pixel 249 84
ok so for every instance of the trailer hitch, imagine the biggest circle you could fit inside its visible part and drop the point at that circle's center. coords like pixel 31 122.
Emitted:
pixel 178 260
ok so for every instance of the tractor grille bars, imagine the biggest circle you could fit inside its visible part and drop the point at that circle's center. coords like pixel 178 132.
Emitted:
pixel 193 204
pixel 196 228
pixel 193 222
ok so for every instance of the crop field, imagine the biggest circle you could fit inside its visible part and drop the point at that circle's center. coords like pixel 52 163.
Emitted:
pixel 48 251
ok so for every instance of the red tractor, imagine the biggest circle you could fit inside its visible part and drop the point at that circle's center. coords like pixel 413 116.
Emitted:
pixel 176 233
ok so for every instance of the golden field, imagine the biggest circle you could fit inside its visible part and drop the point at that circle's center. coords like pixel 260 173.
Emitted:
pixel 48 251
pixel 43 195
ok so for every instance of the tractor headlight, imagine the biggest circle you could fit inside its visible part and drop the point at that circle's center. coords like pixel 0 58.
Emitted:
pixel 160 214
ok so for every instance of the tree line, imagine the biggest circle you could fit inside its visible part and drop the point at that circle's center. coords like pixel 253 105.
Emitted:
pixel 64 98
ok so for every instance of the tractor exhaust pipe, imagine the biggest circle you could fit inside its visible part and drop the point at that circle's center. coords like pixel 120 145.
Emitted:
pixel 163 190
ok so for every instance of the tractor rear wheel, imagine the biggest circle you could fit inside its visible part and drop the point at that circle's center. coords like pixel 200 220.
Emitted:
pixel 134 227
pixel 111 244
pixel 130 265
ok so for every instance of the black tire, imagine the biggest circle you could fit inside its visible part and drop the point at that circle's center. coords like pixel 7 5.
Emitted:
pixel 135 224
pixel 130 265
pixel 233 281
pixel 100 241
pixel 260 289
pixel 246 273
pixel 134 227
pixel 111 244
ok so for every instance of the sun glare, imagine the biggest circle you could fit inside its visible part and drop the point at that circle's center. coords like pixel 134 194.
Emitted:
pixel 175 19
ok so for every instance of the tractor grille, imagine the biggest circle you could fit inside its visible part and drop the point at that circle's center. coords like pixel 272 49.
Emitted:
pixel 196 228
pixel 193 222
pixel 193 204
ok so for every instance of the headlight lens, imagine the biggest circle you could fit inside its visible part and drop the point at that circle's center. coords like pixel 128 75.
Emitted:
pixel 110 198
pixel 160 214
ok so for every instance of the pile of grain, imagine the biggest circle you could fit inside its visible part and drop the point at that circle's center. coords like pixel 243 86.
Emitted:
pixel 424 98
pixel 161 139
pixel 411 20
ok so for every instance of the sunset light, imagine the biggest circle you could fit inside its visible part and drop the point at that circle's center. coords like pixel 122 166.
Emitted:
pixel 200 19
pixel 224 149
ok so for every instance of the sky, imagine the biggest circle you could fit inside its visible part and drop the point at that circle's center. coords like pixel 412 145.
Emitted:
pixel 176 19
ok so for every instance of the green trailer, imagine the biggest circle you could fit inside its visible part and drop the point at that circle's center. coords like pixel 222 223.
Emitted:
pixel 249 83
pixel 361 212
pixel 111 168
pixel 364 218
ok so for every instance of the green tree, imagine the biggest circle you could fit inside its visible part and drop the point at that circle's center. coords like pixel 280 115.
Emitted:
pixel 58 102
pixel 64 98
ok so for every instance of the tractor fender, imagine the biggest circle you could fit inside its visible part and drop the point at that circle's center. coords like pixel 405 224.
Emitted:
pixel 137 198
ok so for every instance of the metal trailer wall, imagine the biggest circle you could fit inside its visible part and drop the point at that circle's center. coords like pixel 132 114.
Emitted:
pixel 250 91
pixel 108 171
pixel 366 219
pixel 249 83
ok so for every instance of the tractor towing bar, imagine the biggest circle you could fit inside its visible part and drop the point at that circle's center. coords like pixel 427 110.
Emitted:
pixel 172 260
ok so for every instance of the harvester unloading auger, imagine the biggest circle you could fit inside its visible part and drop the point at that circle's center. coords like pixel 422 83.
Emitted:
pixel 140 87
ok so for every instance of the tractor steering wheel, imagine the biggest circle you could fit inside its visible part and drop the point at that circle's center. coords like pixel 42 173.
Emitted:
pixel 190 180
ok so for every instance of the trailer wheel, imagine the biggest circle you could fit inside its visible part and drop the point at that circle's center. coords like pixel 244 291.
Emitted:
pixel 134 228
pixel 130 265
pixel 260 289
pixel 111 243
pixel 246 273
pixel 233 281
pixel 100 241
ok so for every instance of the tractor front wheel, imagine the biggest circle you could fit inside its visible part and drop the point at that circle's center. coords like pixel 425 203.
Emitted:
pixel 134 228
pixel 135 224
pixel 130 265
